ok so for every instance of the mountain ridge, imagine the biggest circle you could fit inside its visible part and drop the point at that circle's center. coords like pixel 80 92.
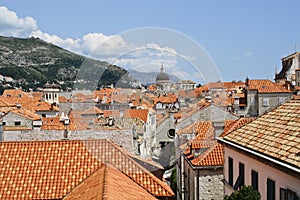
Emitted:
pixel 31 62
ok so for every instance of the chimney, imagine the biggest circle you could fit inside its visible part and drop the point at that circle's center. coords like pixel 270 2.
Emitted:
pixel 247 81
pixel 218 128
pixel 287 85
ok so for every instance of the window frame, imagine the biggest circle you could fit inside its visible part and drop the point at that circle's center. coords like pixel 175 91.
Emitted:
pixel 17 123
pixel 271 189
pixel 230 171
pixel 254 179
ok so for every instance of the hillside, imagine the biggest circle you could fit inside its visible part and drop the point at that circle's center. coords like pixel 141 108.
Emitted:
pixel 31 62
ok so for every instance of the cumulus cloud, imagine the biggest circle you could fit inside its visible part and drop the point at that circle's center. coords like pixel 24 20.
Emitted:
pixel 12 25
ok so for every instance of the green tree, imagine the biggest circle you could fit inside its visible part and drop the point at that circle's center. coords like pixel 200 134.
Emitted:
pixel 245 193
pixel 174 182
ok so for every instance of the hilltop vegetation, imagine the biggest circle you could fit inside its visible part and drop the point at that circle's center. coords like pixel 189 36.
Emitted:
pixel 31 62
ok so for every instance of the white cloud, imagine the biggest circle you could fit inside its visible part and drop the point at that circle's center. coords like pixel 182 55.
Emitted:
pixel 12 25
pixel 248 54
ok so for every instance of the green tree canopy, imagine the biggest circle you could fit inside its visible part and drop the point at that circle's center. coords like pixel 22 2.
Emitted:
pixel 245 193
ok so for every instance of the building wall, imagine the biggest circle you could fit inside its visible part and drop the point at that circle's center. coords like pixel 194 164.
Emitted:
pixel 255 106
pixel 120 137
pixel 10 119
pixel 265 171
pixel 210 113
pixel 274 100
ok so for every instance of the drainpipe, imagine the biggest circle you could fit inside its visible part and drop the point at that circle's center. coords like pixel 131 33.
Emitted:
pixel 182 177
pixel 198 186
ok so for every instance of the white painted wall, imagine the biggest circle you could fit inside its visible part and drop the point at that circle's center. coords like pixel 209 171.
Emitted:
pixel 264 171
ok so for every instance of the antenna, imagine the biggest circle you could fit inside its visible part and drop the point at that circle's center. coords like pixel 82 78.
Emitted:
pixel 295 47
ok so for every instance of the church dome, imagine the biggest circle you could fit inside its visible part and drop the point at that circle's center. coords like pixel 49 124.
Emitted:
pixel 162 76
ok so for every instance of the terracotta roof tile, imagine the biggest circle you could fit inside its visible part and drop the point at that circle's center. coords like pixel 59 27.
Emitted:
pixel 211 157
pixel 27 114
pixel 5 102
pixel 169 98
pixel 274 134
pixel 266 86
pixel 108 183
pixel 51 169
pixel 137 113
pixel 202 130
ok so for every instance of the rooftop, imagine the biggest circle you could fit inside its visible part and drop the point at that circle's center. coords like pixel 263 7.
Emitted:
pixel 52 169
pixel 275 134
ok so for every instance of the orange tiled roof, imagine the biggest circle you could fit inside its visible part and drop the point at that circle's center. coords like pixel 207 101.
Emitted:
pixel 51 169
pixel 39 106
pixel 5 102
pixel 187 94
pixel 266 86
pixel 27 114
pixel 211 157
pixel 108 183
pixel 202 130
pixel 137 113
pixel 169 98
pixel 275 134
pixel 53 123
pixel 13 93
pixel 232 125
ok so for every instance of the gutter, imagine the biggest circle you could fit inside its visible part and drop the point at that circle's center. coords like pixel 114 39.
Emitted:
pixel 259 155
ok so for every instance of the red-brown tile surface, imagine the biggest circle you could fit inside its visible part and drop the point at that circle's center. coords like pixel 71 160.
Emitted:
pixel 137 113
pixel 266 86
pixel 51 169
pixel 275 134
pixel 211 157
pixel 108 183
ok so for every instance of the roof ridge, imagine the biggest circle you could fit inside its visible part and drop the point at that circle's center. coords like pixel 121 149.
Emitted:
pixel 160 182
pixel 104 194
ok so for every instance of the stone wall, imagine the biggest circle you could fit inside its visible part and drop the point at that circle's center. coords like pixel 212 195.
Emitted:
pixel 10 119
pixel 120 137
pixel 203 183
pixel 210 113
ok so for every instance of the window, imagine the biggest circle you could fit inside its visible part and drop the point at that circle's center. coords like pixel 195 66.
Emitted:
pixel 241 179
pixel 287 194
pixel 281 100
pixel 270 189
pixel 265 102
pixel 282 194
pixel 242 173
pixel 230 171
pixel 3 123
pixel 17 123
pixel 291 195
pixel 254 180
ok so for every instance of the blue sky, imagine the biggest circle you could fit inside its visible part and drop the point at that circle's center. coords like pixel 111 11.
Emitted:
pixel 243 38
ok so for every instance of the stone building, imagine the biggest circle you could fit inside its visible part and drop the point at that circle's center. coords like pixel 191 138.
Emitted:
pixel 263 95
pixel 163 83
pixel 201 160
pixel 21 119
pixel 287 74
